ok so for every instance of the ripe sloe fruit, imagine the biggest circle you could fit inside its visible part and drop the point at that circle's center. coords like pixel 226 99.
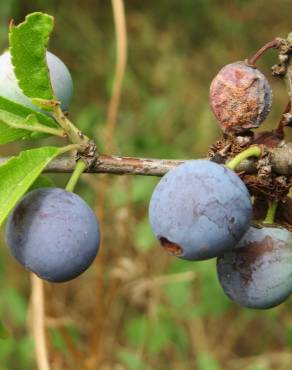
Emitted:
pixel 258 272
pixel 60 78
pixel 240 97
pixel 53 233
pixel 199 209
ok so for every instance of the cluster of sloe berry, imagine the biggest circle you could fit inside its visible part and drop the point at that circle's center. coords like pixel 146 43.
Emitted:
pixel 51 231
pixel 201 209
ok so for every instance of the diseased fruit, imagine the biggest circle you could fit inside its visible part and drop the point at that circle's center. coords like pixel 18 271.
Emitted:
pixel 60 78
pixel 240 97
pixel 53 233
pixel 199 210
pixel 258 272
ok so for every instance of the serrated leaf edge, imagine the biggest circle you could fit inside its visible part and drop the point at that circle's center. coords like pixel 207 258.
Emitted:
pixel 44 47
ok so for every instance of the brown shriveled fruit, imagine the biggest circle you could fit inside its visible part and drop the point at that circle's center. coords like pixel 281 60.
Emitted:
pixel 240 97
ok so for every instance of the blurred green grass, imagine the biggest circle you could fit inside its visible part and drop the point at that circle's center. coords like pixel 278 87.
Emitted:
pixel 165 313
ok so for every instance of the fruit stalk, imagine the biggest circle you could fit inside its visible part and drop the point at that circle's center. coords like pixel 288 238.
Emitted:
pixel 78 170
pixel 270 216
pixel 253 151
pixel 270 45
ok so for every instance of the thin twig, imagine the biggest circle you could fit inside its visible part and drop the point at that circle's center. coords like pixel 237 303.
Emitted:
pixel 38 322
pixel 281 161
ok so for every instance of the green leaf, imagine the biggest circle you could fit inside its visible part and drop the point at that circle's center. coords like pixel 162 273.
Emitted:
pixel 19 173
pixel 21 110
pixel 29 120
pixel 28 44
pixel 30 123
pixel 12 120
pixel 9 134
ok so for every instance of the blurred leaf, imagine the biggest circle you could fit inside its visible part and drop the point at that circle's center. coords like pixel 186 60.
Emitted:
pixel 179 265
pixel 74 333
pixel 28 44
pixel 289 336
pixel 136 331
pixel 25 348
pixel 88 118
pixel 155 108
pixel 161 335
pixel 141 331
pixel 3 331
pixel 142 188
pixel 132 360
pixel 155 335
pixel 144 238
pixel 213 299
pixel 257 367
pixel 6 349
pixel 179 294
pixel 58 341
pixel 206 362
pixel 18 173
pixel 119 196
pixel 15 305
pixel 205 130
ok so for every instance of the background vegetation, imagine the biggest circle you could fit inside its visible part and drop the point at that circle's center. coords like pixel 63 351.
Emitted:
pixel 138 308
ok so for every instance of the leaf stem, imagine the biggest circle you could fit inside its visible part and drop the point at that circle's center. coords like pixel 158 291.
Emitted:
pixel 270 216
pixel 75 135
pixel 69 147
pixel 79 169
pixel 252 151
pixel 37 127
